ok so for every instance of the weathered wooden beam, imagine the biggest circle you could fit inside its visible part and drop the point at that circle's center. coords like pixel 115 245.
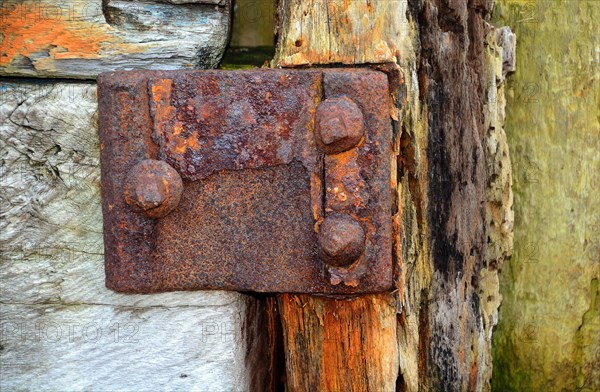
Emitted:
pixel 338 31
pixel 344 344
pixel 81 38
pixel 447 289
pixel 339 344
pixel 549 329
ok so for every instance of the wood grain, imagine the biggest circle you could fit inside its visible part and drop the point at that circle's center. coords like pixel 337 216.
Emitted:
pixel 338 31
pixel 447 284
pixel 340 344
pixel 81 38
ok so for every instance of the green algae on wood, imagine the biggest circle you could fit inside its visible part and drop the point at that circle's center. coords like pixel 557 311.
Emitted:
pixel 547 337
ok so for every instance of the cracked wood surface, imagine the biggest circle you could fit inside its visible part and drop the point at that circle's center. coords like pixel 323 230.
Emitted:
pixel 335 344
pixel 345 344
pixel 81 38
pixel 447 296
pixel 61 329
pixel 338 31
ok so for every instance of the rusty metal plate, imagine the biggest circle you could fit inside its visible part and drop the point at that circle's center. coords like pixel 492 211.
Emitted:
pixel 264 180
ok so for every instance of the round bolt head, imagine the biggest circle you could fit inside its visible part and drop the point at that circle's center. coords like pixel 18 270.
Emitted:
pixel 342 240
pixel 339 125
pixel 153 188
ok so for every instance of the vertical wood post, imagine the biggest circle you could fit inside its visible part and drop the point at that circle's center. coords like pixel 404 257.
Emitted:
pixel 339 344
pixel 433 332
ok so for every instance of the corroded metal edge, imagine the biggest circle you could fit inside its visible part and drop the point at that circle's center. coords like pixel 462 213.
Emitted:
pixel 125 126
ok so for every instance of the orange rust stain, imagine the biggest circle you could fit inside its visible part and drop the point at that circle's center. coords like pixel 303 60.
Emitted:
pixel 193 141
pixel 26 33
pixel 161 90
pixel 158 92
pixel 165 113
pixel 180 145
pixel 473 378
pixel 316 184
pixel 177 128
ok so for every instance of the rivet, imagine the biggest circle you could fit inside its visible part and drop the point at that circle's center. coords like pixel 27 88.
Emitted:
pixel 153 188
pixel 342 240
pixel 339 125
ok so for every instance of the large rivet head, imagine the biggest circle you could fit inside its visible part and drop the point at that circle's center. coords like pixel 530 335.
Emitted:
pixel 342 240
pixel 153 188
pixel 339 125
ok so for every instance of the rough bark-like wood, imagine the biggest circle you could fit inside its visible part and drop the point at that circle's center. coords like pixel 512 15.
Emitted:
pixel 81 38
pixel 452 78
pixel 60 328
pixel 339 344
pixel 337 31
pixel 447 297
pixel 321 32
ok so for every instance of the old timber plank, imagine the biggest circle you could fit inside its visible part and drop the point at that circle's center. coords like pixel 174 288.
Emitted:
pixel 60 328
pixel 81 38
pixel 96 347
pixel 340 344
pixel 447 293
pixel 338 31
pixel 548 335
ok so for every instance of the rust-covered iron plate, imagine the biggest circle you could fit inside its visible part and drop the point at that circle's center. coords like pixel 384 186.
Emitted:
pixel 263 180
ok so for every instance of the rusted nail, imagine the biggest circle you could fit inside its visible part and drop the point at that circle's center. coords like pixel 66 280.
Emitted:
pixel 342 240
pixel 153 188
pixel 339 125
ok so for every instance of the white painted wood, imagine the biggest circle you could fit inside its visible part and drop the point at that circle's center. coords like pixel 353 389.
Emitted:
pixel 81 38
pixel 61 329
